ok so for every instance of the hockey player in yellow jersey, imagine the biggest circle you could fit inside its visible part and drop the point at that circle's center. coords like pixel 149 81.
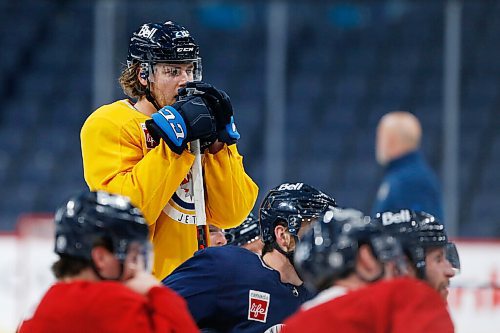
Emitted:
pixel 139 149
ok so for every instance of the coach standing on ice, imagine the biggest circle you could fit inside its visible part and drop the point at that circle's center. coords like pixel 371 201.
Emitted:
pixel 138 147
pixel 409 182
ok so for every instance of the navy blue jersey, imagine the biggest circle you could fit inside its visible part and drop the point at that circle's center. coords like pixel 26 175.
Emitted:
pixel 409 183
pixel 230 289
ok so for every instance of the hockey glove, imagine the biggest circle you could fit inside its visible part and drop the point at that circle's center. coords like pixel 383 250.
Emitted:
pixel 220 103
pixel 185 121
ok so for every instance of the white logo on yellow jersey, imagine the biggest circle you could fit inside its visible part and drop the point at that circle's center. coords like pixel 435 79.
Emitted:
pixel 180 207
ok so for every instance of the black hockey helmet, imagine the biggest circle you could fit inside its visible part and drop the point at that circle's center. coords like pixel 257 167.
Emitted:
pixel 291 203
pixel 92 216
pixel 163 42
pixel 328 250
pixel 417 231
pixel 247 232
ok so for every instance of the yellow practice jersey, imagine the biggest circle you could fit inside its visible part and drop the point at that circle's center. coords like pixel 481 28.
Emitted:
pixel 120 156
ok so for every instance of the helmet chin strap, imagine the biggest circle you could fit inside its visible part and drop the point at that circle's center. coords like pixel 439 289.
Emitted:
pixel 146 71
pixel 150 97
pixel 287 254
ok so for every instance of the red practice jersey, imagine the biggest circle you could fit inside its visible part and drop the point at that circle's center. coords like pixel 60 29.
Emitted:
pixel 403 305
pixel 108 306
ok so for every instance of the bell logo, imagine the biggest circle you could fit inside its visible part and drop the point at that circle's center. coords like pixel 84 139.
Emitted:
pixel 258 305
pixel 290 187
pixel 391 218
pixel 146 32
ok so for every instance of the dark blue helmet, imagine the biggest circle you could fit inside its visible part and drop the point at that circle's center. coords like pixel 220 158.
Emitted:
pixel 92 216
pixel 163 42
pixel 291 203
pixel 247 232
pixel 417 231
pixel 328 251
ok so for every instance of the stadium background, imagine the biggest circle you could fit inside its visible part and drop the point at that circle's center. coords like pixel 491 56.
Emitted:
pixel 344 64
pixel 308 79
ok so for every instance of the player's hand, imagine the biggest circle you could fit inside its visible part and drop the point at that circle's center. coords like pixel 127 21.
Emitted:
pixel 142 282
pixel 137 278
pixel 220 103
pixel 187 120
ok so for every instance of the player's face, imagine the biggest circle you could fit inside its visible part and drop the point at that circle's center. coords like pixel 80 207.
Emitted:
pixel 217 237
pixel 305 225
pixel 168 79
pixel 438 271
pixel 110 268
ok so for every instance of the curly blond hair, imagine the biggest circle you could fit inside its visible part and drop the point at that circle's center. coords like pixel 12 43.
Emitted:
pixel 130 83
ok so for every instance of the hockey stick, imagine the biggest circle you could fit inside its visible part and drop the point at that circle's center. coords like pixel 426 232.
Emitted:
pixel 199 196
pixel 198 190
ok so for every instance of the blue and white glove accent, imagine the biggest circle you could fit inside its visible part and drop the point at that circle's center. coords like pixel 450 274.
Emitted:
pixel 183 122
pixel 172 124
pixel 230 134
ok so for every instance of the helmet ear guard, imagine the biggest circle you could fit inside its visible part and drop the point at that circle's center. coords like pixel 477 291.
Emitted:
pixel 144 73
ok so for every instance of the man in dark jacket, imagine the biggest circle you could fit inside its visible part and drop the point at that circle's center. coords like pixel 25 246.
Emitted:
pixel 408 182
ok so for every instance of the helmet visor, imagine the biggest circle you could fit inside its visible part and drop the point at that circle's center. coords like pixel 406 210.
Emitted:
pixel 139 255
pixel 173 70
pixel 452 256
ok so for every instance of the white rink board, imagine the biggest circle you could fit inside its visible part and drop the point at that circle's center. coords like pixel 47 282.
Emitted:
pixel 474 304
pixel 25 276
pixel 474 298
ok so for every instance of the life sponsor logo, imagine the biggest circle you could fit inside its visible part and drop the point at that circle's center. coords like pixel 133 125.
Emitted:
pixel 150 142
pixel 258 305
pixel 391 218
pixel 290 186
pixel 180 207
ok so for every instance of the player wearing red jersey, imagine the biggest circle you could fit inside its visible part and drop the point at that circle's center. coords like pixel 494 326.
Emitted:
pixel 346 255
pixel 102 283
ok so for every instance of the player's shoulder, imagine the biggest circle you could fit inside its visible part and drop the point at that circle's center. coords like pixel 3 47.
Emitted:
pixel 211 263
pixel 316 316
pixel 227 253
pixel 404 287
pixel 119 113
pixel 88 292
pixel 114 291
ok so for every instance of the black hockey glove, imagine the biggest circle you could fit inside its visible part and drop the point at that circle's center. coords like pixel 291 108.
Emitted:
pixel 220 103
pixel 185 121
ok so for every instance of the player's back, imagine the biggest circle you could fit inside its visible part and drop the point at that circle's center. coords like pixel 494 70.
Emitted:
pixel 230 289
pixel 400 305
pixel 86 307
